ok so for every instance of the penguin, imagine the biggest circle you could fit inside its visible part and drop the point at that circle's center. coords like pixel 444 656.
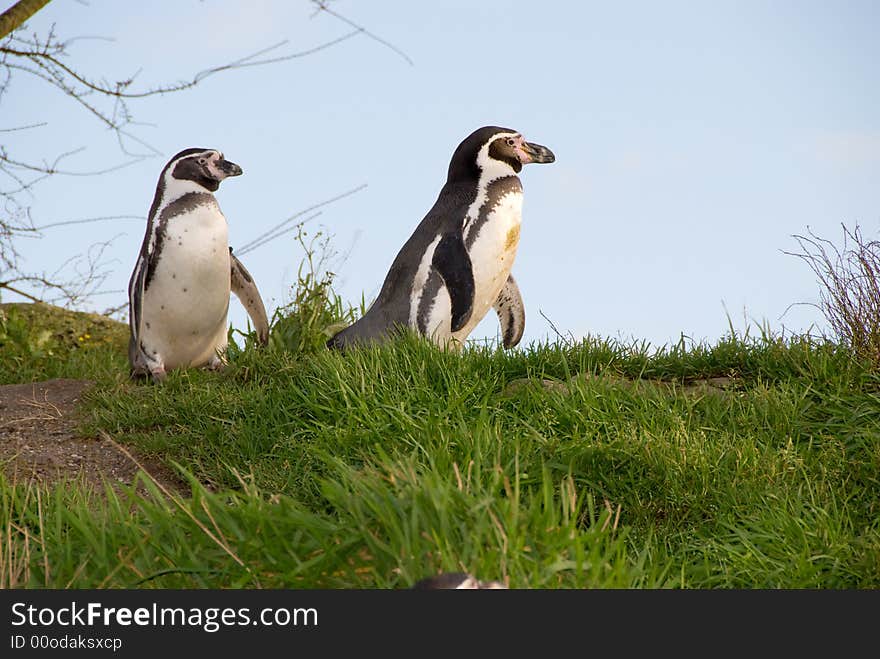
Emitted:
pixel 456 581
pixel 457 263
pixel 179 290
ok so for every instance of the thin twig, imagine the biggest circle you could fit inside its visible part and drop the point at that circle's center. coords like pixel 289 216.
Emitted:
pixel 256 241
pixel 278 234
pixel 567 340
pixel 88 220
pixel 322 6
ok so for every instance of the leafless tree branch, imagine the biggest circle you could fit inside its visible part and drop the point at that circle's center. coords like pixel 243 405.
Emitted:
pixel 46 57
pixel 321 6
pixel 278 229
pixel 89 220
pixel 14 17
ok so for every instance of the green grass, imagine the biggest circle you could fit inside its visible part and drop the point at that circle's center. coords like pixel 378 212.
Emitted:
pixel 310 468
pixel 41 341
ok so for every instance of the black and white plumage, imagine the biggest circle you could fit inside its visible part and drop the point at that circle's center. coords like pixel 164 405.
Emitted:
pixel 457 263
pixel 179 290
pixel 456 581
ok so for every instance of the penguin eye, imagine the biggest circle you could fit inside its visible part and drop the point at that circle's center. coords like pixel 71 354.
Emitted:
pixel 510 141
pixel 203 161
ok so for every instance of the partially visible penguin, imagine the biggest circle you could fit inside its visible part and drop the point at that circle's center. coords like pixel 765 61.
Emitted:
pixel 456 265
pixel 179 290
pixel 456 581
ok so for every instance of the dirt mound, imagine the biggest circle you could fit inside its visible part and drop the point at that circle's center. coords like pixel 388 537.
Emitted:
pixel 38 440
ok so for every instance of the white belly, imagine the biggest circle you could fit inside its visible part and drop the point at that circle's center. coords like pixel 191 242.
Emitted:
pixel 186 304
pixel 492 254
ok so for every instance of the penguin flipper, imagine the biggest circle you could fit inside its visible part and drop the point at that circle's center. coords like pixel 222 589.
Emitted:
pixel 453 263
pixel 136 359
pixel 511 313
pixel 242 284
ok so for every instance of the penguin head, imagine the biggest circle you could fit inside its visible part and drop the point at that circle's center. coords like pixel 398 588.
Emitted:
pixel 494 151
pixel 204 168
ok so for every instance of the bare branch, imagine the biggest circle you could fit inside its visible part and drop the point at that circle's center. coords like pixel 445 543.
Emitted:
pixel 7 285
pixel 321 5
pixel 567 340
pixel 14 17
pixel 296 227
pixel 250 61
pixel 46 57
pixel 89 274
pixel 116 310
pixel 46 168
pixel 90 295
pixel 52 69
pixel 17 128
pixel 89 220
pixel 259 240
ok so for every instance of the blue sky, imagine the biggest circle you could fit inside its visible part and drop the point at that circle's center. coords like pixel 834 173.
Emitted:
pixel 692 141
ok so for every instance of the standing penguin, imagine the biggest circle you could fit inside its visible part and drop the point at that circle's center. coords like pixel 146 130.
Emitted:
pixel 456 265
pixel 179 291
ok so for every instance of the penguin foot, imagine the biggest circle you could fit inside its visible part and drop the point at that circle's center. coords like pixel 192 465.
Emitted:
pixel 154 375
pixel 217 363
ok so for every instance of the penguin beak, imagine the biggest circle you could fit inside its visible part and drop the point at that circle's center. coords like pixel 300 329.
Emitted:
pixel 229 168
pixel 536 153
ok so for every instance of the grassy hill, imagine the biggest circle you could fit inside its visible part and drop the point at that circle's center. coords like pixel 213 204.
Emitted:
pixel 749 463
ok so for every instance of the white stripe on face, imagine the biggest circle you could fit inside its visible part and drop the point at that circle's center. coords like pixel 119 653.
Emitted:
pixel 172 189
pixel 490 169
